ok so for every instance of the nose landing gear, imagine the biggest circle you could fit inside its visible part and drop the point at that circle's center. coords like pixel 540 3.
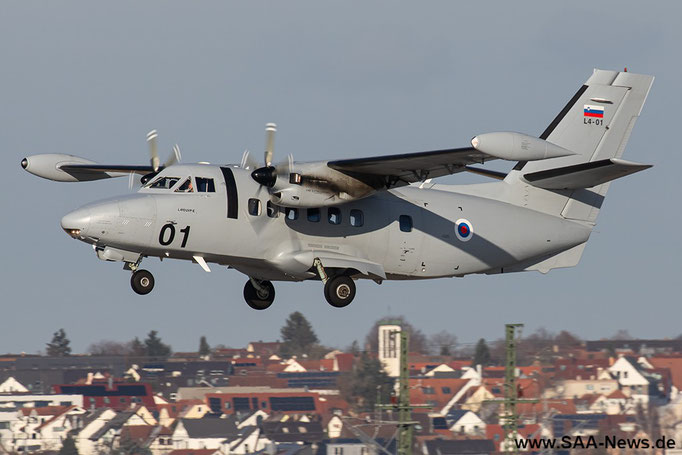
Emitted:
pixel 259 295
pixel 142 281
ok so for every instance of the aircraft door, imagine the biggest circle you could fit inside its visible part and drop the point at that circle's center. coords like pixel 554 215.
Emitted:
pixel 405 239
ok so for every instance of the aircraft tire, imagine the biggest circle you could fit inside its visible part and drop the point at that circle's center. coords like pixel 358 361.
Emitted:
pixel 256 301
pixel 142 282
pixel 339 291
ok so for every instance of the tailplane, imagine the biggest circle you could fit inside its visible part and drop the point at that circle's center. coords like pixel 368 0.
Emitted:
pixel 595 125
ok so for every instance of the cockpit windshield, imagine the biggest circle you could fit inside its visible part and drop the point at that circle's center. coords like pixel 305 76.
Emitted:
pixel 163 183
pixel 186 186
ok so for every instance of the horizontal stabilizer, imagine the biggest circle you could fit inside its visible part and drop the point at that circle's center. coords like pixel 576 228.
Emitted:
pixel 584 175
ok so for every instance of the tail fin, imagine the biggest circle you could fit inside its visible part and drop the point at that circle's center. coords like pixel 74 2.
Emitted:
pixel 596 125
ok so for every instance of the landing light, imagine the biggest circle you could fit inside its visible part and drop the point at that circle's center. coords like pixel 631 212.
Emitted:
pixel 75 233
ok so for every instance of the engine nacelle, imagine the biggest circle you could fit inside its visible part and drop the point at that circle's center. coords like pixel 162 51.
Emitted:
pixel 508 145
pixel 48 165
pixel 306 196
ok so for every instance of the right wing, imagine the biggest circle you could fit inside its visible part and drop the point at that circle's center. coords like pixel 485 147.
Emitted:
pixel 399 170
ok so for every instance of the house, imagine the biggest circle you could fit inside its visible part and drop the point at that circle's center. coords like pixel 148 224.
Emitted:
pixel 463 422
pixel 92 423
pixel 439 393
pixel 457 447
pixel 11 385
pixel 293 431
pixel 635 381
pixel 196 452
pixel 350 446
pixel 206 433
pixel 502 440
pixel 230 400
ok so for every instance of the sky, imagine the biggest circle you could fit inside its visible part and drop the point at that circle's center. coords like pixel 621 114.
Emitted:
pixel 341 79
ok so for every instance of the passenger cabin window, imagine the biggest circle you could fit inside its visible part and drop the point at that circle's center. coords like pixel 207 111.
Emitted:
pixel 292 214
pixel 163 183
pixel 405 223
pixel 357 218
pixel 254 207
pixel 272 209
pixel 334 215
pixel 185 187
pixel 205 185
pixel 314 215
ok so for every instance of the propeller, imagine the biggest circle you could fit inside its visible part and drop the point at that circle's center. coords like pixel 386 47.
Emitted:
pixel 270 130
pixel 154 153
pixel 154 159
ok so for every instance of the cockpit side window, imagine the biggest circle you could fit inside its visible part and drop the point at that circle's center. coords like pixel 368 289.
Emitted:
pixel 163 183
pixel 186 186
pixel 205 185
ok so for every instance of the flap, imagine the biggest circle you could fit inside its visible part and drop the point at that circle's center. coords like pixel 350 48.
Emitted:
pixel 585 175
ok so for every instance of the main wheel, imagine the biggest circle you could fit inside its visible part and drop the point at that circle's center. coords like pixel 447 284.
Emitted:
pixel 259 300
pixel 142 282
pixel 339 291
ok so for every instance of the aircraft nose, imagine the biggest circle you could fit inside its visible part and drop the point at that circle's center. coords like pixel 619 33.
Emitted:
pixel 76 222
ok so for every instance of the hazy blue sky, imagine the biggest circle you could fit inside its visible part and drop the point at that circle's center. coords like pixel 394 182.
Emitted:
pixel 341 79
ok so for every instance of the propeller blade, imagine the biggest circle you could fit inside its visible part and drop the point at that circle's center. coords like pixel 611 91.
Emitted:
pixel 153 151
pixel 270 130
pixel 174 158
pixel 247 161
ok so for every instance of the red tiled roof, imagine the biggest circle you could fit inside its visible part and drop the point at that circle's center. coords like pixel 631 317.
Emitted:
pixel 616 394
pixel 345 361
pixel 45 410
pixel 137 432
pixel 674 364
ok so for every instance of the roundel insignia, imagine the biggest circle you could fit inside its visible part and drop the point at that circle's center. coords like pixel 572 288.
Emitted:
pixel 464 230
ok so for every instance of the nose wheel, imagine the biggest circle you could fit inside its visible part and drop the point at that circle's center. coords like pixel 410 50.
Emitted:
pixel 259 295
pixel 142 281
pixel 339 291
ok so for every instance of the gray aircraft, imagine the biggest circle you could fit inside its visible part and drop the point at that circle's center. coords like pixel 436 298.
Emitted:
pixel 378 218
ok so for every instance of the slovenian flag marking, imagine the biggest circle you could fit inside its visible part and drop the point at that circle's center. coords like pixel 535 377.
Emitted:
pixel 593 111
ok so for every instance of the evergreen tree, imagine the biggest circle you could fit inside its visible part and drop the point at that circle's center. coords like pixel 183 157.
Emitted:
pixel 68 447
pixel 204 348
pixel 59 346
pixel 298 337
pixel 367 382
pixel 137 348
pixel 155 347
pixel 482 354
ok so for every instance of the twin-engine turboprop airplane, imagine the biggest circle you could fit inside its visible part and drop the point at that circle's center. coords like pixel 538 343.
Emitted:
pixel 377 218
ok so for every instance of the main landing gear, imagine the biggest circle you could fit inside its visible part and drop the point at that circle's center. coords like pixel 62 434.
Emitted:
pixel 259 295
pixel 142 281
pixel 339 291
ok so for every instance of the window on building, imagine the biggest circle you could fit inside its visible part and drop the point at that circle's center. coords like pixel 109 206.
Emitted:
pixel 205 185
pixel 314 215
pixel 357 218
pixel 272 210
pixel 446 390
pixel 292 213
pixel 254 207
pixel 625 374
pixel 334 215
pixel 428 390
pixel 405 223
pixel 590 387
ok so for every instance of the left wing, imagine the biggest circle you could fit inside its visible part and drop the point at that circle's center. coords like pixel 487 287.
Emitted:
pixel 400 170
